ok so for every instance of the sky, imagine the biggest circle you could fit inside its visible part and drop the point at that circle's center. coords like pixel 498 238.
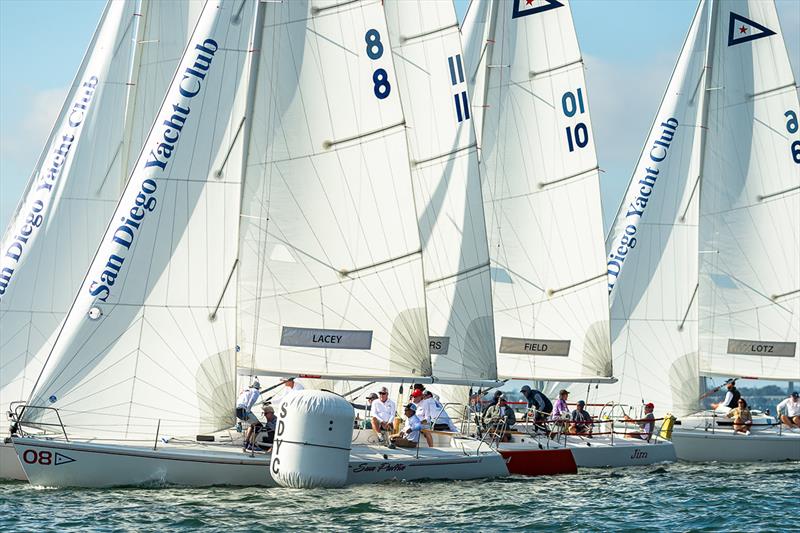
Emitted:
pixel 629 48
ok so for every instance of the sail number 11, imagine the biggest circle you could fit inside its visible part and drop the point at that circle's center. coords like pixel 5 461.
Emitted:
pixel 572 105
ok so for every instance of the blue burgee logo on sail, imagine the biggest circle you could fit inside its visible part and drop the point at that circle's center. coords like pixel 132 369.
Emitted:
pixel 741 30
pixel 145 201
pixel 523 8
pixel 637 197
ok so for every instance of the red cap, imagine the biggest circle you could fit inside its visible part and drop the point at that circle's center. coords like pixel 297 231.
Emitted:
pixel 416 393
pixel 650 405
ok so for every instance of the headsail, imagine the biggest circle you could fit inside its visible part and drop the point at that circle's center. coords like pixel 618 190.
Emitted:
pixel 330 279
pixel 541 191
pixel 151 330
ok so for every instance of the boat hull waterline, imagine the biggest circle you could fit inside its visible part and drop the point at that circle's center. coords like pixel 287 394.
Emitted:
pixel 698 445
pixel 71 464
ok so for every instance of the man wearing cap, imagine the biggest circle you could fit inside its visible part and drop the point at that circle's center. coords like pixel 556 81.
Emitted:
pixel 269 426
pixel 290 386
pixel 731 398
pixel 247 398
pixel 538 402
pixel 409 436
pixel 792 407
pixel 581 420
pixel 382 413
pixel 435 413
pixel 646 424
pixel 502 412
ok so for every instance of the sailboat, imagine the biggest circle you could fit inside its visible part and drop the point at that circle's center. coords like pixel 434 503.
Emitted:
pixel 543 215
pixel 324 279
pixel 77 180
pixel 704 255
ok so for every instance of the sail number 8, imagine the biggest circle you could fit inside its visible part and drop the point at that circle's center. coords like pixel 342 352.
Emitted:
pixel 572 105
pixel 380 78
pixel 792 127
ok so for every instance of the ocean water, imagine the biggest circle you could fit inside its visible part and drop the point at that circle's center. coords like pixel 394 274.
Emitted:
pixel 675 497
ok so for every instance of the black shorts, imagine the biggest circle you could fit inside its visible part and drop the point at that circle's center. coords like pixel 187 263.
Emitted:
pixel 441 427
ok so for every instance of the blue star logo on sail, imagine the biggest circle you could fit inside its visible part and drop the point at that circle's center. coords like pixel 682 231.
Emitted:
pixel 523 8
pixel 741 30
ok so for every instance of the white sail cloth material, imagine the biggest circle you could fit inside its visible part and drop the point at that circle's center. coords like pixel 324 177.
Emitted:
pixel 541 191
pixel 74 213
pixel 705 246
pixel 149 340
pixel 330 279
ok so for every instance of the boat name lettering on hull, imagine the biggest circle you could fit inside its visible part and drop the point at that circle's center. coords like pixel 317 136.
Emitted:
pixel 639 454
pixel 326 338
pixel 762 348
pixel 382 467
pixel 548 347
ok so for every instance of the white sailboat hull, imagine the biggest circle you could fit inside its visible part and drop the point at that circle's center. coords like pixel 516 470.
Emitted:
pixel 699 445
pixel 63 464
pixel 9 463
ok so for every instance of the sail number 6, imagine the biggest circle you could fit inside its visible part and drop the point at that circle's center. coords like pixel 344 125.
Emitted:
pixel 792 127
pixel 380 78
pixel 572 105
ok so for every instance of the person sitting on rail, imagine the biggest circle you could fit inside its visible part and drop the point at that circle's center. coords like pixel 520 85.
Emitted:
pixel 646 424
pixel 538 402
pixel 247 398
pixel 731 398
pixel 423 415
pixel 250 439
pixel 501 416
pixel 436 413
pixel 581 420
pixel 742 419
pixel 409 435
pixel 382 414
pixel 792 407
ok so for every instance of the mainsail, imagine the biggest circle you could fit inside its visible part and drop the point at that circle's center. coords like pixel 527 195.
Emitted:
pixel 541 191
pixel 703 256
pixel 330 274
pixel 79 177
pixel 149 341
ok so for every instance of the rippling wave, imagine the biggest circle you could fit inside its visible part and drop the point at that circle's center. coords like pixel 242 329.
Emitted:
pixel 678 497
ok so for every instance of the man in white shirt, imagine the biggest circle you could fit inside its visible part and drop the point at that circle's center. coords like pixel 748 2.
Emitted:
pixel 244 404
pixel 409 435
pixel 382 412
pixel 435 414
pixel 290 387
pixel 792 407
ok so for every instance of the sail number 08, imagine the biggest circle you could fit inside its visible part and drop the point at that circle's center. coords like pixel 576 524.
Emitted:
pixel 572 105
pixel 380 79
pixel 792 127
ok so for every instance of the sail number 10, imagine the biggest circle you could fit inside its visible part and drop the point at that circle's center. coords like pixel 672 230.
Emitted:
pixel 572 105
pixel 380 78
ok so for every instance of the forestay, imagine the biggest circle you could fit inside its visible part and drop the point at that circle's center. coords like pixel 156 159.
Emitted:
pixel 149 340
pixel 749 240
pixel 70 195
pixel 330 276
pixel 541 191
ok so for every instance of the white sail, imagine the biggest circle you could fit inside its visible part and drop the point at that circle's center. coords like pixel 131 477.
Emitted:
pixel 749 293
pixel 149 341
pixel 541 192
pixel 432 81
pixel 330 279
pixel 50 239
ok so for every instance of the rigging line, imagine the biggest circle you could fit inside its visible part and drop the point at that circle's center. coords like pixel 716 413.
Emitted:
pixel 519 84
pixel 218 172
pixel 770 299
pixel 783 294
pixel 688 308
pixel 404 39
pixel 458 274
pixel 317 10
pixel 761 198
pixel 773 130
pixel 447 154
pixel 689 201
pixel 523 278
pixel 108 170
pixel 213 316
pixel 330 144
pixel 543 184
pixel 394 52
pixel 551 292
pixel 767 91
pixel 331 41
pixel 535 73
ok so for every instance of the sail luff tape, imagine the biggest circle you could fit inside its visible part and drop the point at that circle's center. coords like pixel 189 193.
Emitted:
pixel 775 89
pixel 329 144
pixel 460 273
pixel 218 172
pixel 535 73
pixel 543 184
pixel 784 294
pixel 762 197
pixel 404 39
pixel 688 307
pixel 344 272
pixel 318 10
pixel 447 154
pixel 689 201
pixel 551 292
